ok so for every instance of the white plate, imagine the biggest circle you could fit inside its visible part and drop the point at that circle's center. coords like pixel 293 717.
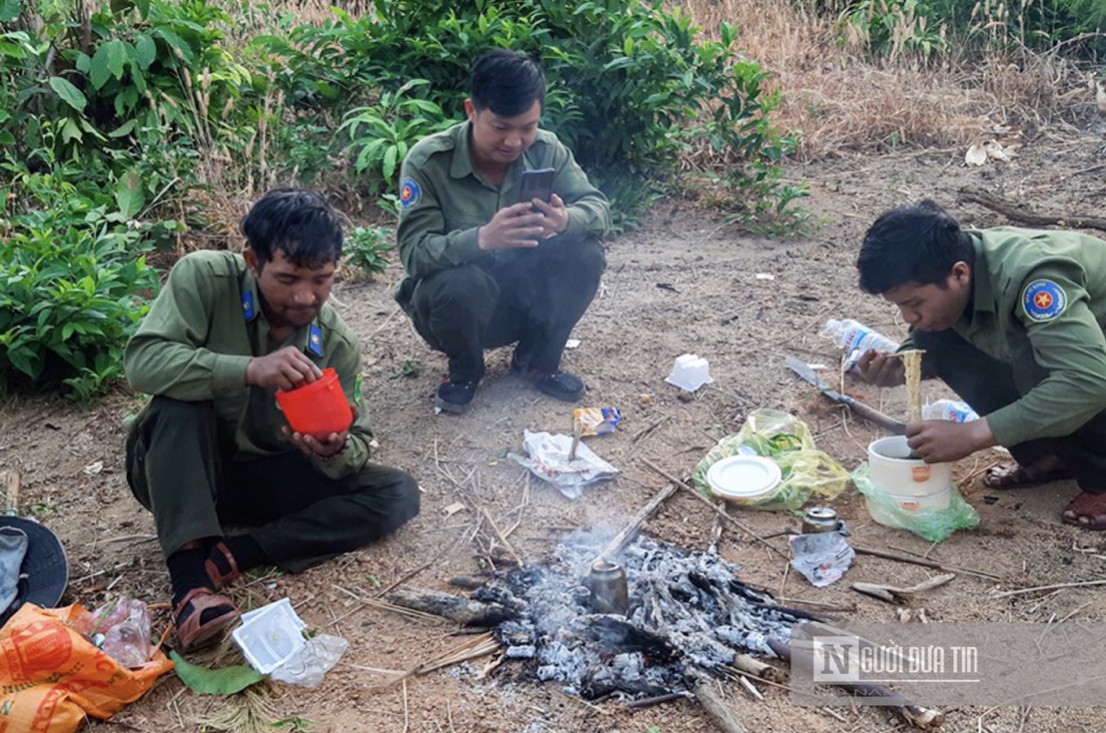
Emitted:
pixel 743 477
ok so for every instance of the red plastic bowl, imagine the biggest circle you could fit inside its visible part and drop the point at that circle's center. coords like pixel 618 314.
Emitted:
pixel 317 409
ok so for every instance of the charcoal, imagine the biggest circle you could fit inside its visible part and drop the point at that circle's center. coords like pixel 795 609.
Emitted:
pixel 688 612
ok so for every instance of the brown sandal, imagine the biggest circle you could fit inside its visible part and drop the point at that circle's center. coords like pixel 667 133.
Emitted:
pixel 1087 511
pixel 1010 476
pixel 192 631
pixel 219 579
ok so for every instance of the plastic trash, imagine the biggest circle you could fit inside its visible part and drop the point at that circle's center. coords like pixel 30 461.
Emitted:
pixel 952 410
pixel 270 635
pixel 805 471
pixel 307 666
pixel 547 458
pixel 596 420
pixel 121 629
pixel 822 558
pixel 689 372
pixel 856 338
pixel 929 523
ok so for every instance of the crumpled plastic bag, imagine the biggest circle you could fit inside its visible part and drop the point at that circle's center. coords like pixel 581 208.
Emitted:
pixel 547 458
pixel 121 628
pixel 806 471
pixel 822 557
pixel 308 664
pixel 932 525
pixel 53 676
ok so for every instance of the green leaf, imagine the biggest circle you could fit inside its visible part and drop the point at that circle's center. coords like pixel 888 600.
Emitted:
pixel 225 681
pixel 71 131
pixel 99 73
pixel 116 56
pixel 9 10
pixel 145 50
pixel 129 194
pixel 124 129
pixel 71 94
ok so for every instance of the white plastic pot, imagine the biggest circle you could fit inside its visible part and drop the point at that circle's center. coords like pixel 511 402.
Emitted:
pixel 903 477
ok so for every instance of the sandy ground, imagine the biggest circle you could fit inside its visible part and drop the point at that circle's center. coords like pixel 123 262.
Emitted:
pixel 711 303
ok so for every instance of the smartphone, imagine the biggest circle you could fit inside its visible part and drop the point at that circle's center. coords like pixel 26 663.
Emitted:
pixel 537 184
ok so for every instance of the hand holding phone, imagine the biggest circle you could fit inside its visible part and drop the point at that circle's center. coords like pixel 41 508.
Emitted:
pixel 537 184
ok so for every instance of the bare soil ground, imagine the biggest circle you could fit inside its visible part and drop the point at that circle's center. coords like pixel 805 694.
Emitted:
pixel 712 304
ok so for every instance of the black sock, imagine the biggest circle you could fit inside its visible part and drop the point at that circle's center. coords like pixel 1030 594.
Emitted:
pixel 186 573
pixel 245 550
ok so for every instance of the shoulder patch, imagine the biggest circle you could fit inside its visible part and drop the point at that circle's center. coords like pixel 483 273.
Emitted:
pixel 409 193
pixel 1043 300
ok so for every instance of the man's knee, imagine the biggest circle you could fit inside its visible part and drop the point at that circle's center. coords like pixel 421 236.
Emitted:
pixel 393 496
pixel 466 288
pixel 584 256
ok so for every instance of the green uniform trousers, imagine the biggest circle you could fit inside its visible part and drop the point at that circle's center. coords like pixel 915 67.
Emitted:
pixel 987 384
pixel 532 296
pixel 179 467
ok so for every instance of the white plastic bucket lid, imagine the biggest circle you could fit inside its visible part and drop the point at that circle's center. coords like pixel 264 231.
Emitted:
pixel 743 478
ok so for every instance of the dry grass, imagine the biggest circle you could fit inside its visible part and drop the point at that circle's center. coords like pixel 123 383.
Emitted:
pixel 838 102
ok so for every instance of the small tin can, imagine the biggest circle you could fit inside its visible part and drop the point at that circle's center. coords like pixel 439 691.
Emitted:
pixel 607 583
pixel 820 519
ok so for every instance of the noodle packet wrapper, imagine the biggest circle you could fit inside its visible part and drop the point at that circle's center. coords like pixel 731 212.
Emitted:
pixel 595 420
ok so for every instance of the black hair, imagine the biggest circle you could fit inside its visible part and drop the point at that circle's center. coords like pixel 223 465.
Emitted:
pixel 506 82
pixel 916 243
pixel 298 222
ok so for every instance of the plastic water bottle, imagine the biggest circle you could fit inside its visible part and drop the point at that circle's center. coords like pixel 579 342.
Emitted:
pixel 952 410
pixel 856 338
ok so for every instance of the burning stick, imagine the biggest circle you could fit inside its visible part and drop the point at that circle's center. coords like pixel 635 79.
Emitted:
pixel 630 531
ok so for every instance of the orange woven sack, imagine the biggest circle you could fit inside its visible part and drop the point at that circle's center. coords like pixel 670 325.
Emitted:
pixel 51 677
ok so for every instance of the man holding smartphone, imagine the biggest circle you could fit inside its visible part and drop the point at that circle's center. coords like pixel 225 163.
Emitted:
pixel 484 268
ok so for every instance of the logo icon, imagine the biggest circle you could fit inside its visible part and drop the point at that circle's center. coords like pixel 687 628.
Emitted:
pixel 1043 300
pixel 409 193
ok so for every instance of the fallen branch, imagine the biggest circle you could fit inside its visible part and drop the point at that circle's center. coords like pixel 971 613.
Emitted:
pixel 620 540
pixel 740 525
pixel 1018 212
pixel 715 707
pixel 1081 584
pixel 886 555
pixel 455 608
pixel 896 594
pixel 916 715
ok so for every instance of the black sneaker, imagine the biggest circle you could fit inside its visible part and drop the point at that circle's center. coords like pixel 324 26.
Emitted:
pixel 562 385
pixel 454 398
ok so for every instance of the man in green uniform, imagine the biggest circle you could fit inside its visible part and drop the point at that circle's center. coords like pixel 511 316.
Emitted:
pixel 1012 320
pixel 211 447
pixel 483 268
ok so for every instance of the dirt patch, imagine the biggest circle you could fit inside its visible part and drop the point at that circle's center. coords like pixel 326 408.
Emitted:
pixel 684 282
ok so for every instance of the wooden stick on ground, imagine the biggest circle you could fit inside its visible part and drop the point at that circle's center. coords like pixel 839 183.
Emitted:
pixel 924 563
pixel 715 707
pixel 740 525
pixel 630 531
pixel 1017 211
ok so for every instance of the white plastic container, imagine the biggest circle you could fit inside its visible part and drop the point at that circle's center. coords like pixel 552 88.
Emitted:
pixel 689 372
pixel 270 635
pixel 907 478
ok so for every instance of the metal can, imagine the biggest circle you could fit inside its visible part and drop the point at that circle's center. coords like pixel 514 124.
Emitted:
pixel 820 519
pixel 607 583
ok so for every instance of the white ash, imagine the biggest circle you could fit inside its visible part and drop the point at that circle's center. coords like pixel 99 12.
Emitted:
pixel 686 611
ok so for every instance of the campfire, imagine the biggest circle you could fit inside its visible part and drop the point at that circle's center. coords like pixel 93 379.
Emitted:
pixel 687 614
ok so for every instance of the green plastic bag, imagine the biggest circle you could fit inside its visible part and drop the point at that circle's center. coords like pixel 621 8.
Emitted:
pixel 805 470
pixel 932 525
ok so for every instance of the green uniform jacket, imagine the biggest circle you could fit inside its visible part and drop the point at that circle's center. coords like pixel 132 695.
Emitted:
pixel 443 201
pixel 199 336
pixel 1042 296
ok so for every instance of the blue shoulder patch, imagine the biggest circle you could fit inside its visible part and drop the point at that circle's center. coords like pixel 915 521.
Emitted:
pixel 247 305
pixel 1044 300
pixel 315 339
pixel 409 193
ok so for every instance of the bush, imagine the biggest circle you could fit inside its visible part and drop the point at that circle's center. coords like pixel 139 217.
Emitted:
pixel 71 279
pixel 631 85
